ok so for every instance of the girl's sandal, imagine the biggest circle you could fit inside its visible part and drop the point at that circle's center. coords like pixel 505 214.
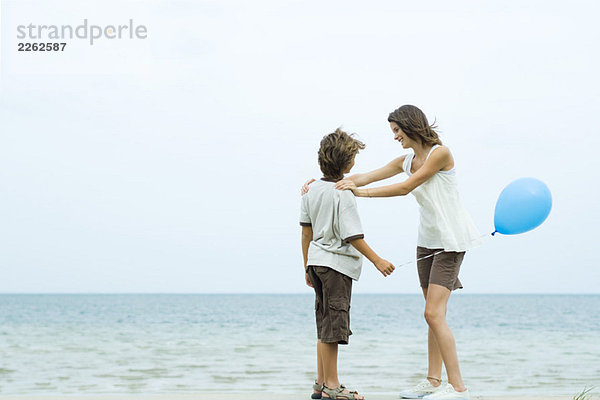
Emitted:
pixel 317 388
pixel 338 393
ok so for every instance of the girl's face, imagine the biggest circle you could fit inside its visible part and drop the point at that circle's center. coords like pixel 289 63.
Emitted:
pixel 400 136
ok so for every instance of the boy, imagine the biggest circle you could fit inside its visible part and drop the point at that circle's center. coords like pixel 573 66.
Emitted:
pixel 332 244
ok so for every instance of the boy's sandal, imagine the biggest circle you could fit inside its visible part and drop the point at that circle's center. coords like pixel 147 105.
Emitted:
pixel 317 388
pixel 338 393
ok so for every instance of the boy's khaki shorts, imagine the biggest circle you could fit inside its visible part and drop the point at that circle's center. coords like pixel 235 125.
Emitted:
pixel 441 269
pixel 332 304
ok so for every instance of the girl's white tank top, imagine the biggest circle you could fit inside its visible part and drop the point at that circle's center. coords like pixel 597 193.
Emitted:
pixel 445 223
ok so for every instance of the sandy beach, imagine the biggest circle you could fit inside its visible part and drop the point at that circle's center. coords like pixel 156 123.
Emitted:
pixel 247 396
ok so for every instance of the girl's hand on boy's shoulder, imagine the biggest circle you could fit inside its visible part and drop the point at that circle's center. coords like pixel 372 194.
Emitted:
pixel 345 184
pixel 304 189
pixel 348 184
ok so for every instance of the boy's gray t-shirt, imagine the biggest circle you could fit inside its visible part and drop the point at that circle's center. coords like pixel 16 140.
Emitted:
pixel 334 218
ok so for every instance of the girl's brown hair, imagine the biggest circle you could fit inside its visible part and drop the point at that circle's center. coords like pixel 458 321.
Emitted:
pixel 336 153
pixel 414 124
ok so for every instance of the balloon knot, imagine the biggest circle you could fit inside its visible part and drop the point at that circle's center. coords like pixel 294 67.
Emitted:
pixel 493 233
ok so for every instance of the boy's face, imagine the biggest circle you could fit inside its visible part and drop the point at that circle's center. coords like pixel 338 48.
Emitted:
pixel 350 165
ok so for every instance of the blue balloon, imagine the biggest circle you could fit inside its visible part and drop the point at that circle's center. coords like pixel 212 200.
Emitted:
pixel 522 206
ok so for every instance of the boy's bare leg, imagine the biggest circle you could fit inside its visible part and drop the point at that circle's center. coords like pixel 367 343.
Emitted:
pixel 434 354
pixel 435 314
pixel 329 353
pixel 320 376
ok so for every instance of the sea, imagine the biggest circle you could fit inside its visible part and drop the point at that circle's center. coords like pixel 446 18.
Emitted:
pixel 189 343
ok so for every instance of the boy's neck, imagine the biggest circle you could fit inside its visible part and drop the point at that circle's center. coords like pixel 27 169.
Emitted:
pixel 327 179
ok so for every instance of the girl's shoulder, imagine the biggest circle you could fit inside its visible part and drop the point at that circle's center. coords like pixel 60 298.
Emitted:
pixel 440 147
pixel 443 157
pixel 398 162
pixel 441 151
pixel 402 158
pixel 401 161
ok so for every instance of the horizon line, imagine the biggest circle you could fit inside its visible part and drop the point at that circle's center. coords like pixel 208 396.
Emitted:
pixel 296 293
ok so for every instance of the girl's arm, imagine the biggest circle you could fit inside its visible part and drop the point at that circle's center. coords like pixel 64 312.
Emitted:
pixel 437 161
pixel 392 168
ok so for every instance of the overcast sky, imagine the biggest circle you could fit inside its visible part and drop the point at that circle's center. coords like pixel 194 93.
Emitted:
pixel 174 163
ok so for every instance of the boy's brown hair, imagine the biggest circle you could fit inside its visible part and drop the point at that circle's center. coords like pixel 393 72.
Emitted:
pixel 336 153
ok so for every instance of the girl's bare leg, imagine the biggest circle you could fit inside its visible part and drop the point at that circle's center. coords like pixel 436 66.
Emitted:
pixel 435 314
pixel 435 357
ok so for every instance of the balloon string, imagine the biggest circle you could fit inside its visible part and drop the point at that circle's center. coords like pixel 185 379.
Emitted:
pixel 440 251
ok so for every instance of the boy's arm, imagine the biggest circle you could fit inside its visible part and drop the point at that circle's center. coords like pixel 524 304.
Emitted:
pixel 307 234
pixel 384 266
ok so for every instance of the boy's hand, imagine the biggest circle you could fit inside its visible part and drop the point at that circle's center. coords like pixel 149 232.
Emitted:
pixel 304 189
pixel 307 279
pixel 384 266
